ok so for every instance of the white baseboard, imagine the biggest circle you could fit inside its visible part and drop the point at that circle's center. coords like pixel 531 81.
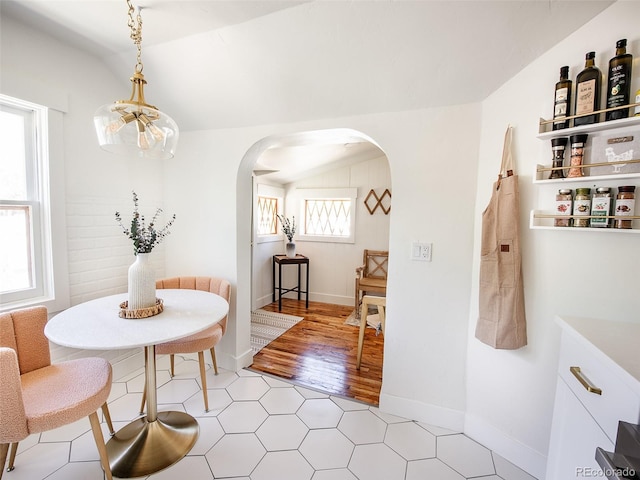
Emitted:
pixel 315 297
pixel 235 363
pixel 333 299
pixel 422 412
pixel 522 456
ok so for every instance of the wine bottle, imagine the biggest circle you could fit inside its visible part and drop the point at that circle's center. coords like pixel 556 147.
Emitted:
pixel 588 84
pixel 619 81
pixel 562 100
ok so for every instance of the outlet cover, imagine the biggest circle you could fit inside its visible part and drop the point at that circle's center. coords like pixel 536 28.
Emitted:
pixel 421 251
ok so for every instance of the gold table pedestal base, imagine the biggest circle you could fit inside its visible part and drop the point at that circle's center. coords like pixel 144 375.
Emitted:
pixel 144 447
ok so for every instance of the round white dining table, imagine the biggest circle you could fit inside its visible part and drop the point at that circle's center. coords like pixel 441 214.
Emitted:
pixel 158 439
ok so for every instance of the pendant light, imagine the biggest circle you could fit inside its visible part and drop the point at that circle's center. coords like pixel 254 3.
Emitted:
pixel 133 127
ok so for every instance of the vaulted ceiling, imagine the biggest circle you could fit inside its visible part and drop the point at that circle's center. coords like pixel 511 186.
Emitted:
pixel 230 63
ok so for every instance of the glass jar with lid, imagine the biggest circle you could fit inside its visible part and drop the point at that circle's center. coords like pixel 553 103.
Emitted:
pixel 564 204
pixel 625 206
pixel 601 207
pixel 582 207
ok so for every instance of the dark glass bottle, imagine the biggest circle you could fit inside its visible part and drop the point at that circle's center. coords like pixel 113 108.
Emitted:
pixel 588 84
pixel 562 100
pixel 619 81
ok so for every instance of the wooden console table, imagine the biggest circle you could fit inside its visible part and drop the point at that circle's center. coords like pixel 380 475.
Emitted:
pixel 284 260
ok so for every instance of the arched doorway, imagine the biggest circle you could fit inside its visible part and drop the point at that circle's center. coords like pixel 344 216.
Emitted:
pixel 309 159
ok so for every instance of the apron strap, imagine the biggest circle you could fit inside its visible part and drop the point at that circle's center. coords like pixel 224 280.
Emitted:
pixel 506 167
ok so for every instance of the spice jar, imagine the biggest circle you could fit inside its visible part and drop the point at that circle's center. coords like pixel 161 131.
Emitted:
pixel 582 207
pixel 563 207
pixel 558 146
pixel 625 206
pixel 578 143
pixel 601 207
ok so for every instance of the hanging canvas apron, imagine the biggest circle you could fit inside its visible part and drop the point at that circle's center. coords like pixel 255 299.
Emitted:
pixel 501 321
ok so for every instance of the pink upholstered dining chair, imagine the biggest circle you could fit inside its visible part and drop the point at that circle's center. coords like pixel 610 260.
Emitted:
pixel 199 342
pixel 36 395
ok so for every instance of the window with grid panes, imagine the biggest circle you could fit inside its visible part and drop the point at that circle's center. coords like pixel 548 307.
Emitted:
pixel 267 219
pixel 329 214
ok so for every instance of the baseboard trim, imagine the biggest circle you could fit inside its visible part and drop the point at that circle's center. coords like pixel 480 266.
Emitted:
pixel 522 456
pixel 235 363
pixel 334 299
pixel 422 412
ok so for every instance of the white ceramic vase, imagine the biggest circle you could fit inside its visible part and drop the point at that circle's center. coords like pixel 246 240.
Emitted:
pixel 291 250
pixel 142 283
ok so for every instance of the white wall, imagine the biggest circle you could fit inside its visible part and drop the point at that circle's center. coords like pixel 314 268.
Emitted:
pixel 510 393
pixel 40 69
pixel 432 156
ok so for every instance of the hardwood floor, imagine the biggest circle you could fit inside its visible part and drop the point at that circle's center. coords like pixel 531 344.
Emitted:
pixel 320 352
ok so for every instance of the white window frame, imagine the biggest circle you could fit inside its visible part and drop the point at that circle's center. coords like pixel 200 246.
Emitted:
pixel 304 194
pixel 46 184
pixel 264 190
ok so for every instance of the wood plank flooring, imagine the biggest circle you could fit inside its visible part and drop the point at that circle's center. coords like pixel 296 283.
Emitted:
pixel 320 352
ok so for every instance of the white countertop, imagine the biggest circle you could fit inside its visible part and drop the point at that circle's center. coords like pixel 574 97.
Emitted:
pixel 615 342
pixel 95 325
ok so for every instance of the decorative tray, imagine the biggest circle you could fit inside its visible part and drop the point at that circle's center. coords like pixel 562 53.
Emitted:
pixel 141 312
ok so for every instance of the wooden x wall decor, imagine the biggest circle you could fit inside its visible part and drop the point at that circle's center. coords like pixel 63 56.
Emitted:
pixel 378 201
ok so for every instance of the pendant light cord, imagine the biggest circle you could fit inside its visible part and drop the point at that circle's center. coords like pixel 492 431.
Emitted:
pixel 135 24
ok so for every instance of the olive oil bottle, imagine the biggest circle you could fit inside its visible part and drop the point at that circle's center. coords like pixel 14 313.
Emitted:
pixel 619 81
pixel 562 100
pixel 588 84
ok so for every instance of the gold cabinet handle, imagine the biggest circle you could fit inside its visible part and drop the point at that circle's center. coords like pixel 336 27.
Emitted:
pixel 585 383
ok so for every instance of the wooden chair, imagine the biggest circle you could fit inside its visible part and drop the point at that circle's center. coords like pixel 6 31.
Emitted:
pixel 36 396
pixel 371 276
pixel 199 342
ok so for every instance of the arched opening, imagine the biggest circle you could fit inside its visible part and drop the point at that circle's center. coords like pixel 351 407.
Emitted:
pixel 292 166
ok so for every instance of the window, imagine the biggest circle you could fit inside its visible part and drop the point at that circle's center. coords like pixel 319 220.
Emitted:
pixel 269 203
pixel 267 211
pixel 329 214
pixel 25 242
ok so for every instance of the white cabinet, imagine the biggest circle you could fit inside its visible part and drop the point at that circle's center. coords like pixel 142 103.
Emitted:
pixel 575 437
pixel 542 217
pixel 594 392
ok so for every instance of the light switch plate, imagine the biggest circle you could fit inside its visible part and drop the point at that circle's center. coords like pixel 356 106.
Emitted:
pixel 421 251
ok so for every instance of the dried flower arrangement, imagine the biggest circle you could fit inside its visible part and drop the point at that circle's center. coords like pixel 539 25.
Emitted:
pixel 288 228
pixel 144 237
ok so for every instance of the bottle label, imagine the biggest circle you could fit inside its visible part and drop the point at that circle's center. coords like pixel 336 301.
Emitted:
pixel 618 94
pixel 600 207
pixel 563 207
pixel 560 106
pixel 582 207
pixel 625 207
pixel 586 97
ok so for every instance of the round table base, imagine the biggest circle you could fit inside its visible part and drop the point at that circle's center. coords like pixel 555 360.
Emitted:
pixel 144 447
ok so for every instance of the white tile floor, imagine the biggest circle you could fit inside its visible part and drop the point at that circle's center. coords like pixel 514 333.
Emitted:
pixel 262 428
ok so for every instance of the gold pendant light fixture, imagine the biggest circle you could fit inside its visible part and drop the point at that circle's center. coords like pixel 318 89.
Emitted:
pixel 133 127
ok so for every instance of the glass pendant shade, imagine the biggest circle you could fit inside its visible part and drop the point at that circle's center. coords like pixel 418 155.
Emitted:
pixel 132 127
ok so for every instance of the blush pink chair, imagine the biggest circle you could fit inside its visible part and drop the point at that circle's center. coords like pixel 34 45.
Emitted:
pixel 199 342
pixel 36 395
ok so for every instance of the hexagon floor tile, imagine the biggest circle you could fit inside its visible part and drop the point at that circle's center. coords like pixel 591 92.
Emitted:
pixel 263 428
